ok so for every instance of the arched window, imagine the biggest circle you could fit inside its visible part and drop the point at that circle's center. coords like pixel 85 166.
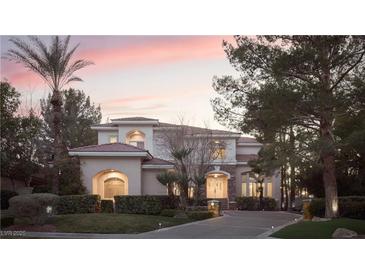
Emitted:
pixel 136 138
pixel 112 187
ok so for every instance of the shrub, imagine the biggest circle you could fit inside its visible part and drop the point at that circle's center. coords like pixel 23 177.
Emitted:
pixel 32 208
pixel 269 204
pixel 6 221
pixel 107 206
pixel 200 215
pixel 348 206
pixel 170 212
pixel 197 208
pixel 317 207
pixel 41 189
pixel 78 204
pixel 247 203
pixel 5 197
pixel 253 203
pixel 139 204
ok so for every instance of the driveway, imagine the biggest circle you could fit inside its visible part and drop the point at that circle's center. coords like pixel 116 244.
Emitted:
pixel 233 225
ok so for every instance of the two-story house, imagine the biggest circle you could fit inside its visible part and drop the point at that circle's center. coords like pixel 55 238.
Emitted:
pixel 131 152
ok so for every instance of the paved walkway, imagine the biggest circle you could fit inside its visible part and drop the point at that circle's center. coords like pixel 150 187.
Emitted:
pixel 233 225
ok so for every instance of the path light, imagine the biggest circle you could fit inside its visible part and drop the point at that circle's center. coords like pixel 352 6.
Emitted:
pixel 49 210
pixel 272 227
pixel 159 225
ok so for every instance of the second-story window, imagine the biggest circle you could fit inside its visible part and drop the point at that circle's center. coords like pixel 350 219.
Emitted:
pixel 136 138
pixel 219 150
pixel 113 138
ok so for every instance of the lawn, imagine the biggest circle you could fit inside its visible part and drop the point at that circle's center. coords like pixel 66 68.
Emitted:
pixel 112 223
pixel 319 230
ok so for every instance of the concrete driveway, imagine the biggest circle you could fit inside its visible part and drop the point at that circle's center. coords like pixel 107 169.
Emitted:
pixel 233 225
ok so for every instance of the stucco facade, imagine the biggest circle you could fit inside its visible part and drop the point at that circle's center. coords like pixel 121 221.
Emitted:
pixel 136 161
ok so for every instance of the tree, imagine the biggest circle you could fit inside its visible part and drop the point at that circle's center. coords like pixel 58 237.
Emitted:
pixel 19 135
pixel 9 127
pixel 79 114
pixel 315 70
pixel 193 151
pixel 53 64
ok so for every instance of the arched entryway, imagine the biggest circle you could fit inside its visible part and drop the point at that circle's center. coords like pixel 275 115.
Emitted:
pixel 109 183
pixel 217 184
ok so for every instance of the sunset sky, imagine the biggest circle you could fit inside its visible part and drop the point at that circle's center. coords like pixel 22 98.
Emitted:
pixel 152 76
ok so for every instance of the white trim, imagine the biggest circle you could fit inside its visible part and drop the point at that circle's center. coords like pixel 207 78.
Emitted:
pixel 242 163
pixel 108 154
pixel 249 144
pixel 157 166
pixel 135 122
pixel 105 128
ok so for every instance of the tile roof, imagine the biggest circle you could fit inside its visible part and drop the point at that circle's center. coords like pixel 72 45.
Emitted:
pixel 105 125
pixel 113 147
pixel 246 157
pixel 156 161
pixel 134 119
pixel 197 130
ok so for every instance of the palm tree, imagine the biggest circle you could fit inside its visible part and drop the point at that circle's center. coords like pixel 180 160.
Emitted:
pixel 53 64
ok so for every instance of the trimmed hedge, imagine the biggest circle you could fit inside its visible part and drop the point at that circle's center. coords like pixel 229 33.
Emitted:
pixel 150 205
pixel 5 197
pixel 78 204
pixel 253 203
pixel 197 208
pixel 170 212
pixel 32 208
pixel 348 206
pixel 145 204
pixel 199 215
pixel 107 206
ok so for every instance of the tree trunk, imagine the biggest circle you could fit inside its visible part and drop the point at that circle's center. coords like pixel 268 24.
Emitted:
pixel 328 145
pixel 56 101
pixel 329 170
pixel 292 170
pixel 282 180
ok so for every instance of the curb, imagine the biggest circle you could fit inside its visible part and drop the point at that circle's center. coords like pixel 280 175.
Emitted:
pixel 266 235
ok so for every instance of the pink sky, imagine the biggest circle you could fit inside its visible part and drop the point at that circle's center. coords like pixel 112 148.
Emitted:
pixel 154 76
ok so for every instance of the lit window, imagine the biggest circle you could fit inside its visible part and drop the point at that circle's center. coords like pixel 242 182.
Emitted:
pixel 113 138
pixel 175 189
pixel 269 189
pixel 136 138
pixel 191 192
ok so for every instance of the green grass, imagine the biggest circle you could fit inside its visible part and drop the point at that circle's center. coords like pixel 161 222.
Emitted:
pixel 319 230
pixel 112 223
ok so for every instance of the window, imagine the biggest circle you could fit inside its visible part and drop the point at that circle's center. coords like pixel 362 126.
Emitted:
pixel 136 138
pixel 244 189
pixel 269 189
pixel 113 138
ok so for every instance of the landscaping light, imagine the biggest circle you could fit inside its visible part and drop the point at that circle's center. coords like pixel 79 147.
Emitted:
pixel 272 227
pixel 49 210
